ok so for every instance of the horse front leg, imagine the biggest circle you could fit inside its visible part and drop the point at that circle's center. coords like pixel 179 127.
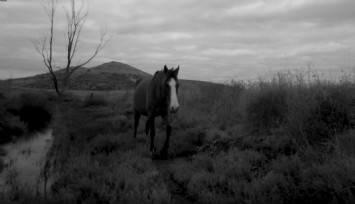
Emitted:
pixel 152 133
pixel 147 126
pixel 137 116
pixel 164 150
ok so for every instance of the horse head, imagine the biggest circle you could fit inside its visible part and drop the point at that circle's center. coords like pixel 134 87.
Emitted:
pixel 171 88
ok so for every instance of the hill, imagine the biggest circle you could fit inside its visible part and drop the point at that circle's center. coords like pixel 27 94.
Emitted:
pixel 108 76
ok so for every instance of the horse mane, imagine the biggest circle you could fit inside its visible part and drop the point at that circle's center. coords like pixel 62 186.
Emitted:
pixel 137 82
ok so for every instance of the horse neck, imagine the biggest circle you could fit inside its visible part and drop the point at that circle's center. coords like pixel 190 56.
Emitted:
pixel 157 86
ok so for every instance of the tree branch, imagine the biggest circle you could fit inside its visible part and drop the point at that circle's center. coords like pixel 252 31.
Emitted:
pixel 76 19
pixel 101 45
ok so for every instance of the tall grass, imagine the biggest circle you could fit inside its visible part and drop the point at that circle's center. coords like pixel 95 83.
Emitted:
pixel 311 112
pixel 296 144
pixel 210 104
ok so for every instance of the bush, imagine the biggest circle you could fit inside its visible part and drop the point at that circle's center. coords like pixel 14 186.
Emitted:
pixel 312 113
pixel 209 104
pixel 11 126
pixel 23 113
pixel 271 146
pixel 318 112
pixel 266 106
pixel 329 182
pixel 33 109
pixel 186 142
pixel 211 180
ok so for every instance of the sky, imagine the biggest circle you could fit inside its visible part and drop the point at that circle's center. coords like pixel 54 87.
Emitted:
pixel 211 40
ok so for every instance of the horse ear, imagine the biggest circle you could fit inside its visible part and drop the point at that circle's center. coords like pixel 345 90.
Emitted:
pixel 165 69
pixel 176 71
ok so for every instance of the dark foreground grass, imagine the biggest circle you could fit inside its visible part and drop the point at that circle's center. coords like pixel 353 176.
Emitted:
pixel 24 113
pixel 284 140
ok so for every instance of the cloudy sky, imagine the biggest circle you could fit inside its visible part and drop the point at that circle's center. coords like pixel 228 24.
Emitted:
pixel 210 40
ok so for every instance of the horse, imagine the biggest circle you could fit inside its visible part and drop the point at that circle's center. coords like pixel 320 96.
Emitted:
pixel 153 97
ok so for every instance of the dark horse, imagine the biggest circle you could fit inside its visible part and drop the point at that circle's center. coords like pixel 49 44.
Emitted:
pixel 156 96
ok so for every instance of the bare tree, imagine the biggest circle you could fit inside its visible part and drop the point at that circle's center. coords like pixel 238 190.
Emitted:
pixel 75 21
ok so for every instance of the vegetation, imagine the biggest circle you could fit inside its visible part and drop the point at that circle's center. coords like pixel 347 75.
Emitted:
pixel 23 113
pixel 284 140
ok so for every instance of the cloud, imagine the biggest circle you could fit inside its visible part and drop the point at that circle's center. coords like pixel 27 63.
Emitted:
pixel 211 40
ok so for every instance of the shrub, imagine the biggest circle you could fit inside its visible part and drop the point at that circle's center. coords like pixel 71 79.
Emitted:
pixel 23 113
pixel 271 146
pixel 209 104
pixel 329 182
pixel 266 106
pixel 33 109
pixel 221 179
pixel 11 126
pixel 185 142
pixel 318 112
pixel 312 113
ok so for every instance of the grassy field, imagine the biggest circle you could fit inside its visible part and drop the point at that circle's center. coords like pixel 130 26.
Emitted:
pixel 282 140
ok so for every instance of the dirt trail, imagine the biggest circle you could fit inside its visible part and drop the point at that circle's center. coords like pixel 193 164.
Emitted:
pixel 178 192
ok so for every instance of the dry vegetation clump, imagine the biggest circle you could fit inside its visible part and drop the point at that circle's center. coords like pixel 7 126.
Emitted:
pixel 210 105
pixel 309 112
pixel 320 112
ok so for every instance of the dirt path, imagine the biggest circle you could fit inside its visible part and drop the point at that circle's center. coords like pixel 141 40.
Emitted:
pixel 178 192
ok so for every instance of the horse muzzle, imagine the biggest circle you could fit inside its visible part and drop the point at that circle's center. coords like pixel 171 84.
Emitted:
pixel 174 109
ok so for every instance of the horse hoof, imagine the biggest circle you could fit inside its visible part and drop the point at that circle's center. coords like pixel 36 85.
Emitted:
pixel 164 153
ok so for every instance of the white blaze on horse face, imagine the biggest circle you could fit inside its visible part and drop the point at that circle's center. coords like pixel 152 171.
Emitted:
pixel 174 104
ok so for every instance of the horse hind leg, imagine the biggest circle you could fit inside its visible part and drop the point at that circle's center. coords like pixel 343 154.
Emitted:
pixel 137 116
pixel 152 134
